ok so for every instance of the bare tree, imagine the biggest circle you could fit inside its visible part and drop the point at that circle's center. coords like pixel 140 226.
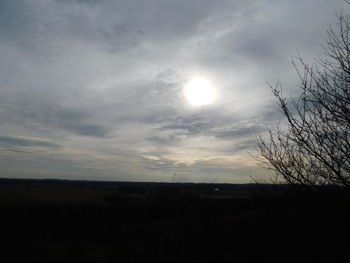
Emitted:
pixel 312 146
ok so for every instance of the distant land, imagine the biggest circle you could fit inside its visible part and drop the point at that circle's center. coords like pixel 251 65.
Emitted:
pixel 96 221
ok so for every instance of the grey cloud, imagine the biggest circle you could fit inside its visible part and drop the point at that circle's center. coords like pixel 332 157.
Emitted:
pixel 246 144
pixel 73 120
pixel 238 132
pixel 195 123
pixel 16 141
pixel 270 112
pixel 17 151
pixel 91 2
pixel 193 128
pixel 86 129
pixel 174 128
pixel 166 139
pixel 117 25
pixel 260 49
pixel 89 67
pixel 161 164
pixel 41 115
pixel 15 18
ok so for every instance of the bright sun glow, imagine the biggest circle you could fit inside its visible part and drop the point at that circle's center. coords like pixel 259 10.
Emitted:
pixel 199 92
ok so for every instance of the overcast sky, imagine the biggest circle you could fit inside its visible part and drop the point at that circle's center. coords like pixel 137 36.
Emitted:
pixel 94 89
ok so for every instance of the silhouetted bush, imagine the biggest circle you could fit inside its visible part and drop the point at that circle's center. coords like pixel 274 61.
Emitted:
pixel 312 146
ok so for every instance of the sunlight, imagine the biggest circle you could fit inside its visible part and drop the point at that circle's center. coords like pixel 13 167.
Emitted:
pixel 199 92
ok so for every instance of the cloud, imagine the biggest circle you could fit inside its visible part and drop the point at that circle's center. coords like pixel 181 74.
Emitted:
pixel 102 80
pixel 36 114
pixel 171 139
pixel 16 141
pixel 74 121
pixel 239 132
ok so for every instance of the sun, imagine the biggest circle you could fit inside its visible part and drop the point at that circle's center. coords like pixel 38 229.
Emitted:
pixel 199 92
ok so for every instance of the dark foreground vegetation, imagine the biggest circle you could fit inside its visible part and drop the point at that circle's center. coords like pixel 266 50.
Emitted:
pixel 82 221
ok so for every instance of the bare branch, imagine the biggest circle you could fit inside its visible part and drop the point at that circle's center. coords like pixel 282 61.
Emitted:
pixel 314 147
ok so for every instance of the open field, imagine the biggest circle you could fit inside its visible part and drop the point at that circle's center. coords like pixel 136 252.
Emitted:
pixel 84 221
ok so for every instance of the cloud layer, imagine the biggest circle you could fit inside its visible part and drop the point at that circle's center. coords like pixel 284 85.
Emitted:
pixel 94 88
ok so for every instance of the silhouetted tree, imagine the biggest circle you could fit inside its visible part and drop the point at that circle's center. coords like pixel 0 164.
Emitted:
pixel 312 146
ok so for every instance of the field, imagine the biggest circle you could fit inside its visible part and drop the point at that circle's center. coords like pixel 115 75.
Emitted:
pixel 85 221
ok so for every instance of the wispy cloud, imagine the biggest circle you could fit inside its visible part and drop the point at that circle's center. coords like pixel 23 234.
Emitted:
pixel 98 84
pixel 17 141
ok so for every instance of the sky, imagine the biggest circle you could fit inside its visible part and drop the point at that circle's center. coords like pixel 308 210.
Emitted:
pixel 94 89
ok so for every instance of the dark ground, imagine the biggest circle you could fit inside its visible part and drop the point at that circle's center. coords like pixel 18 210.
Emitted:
pixel 82 221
